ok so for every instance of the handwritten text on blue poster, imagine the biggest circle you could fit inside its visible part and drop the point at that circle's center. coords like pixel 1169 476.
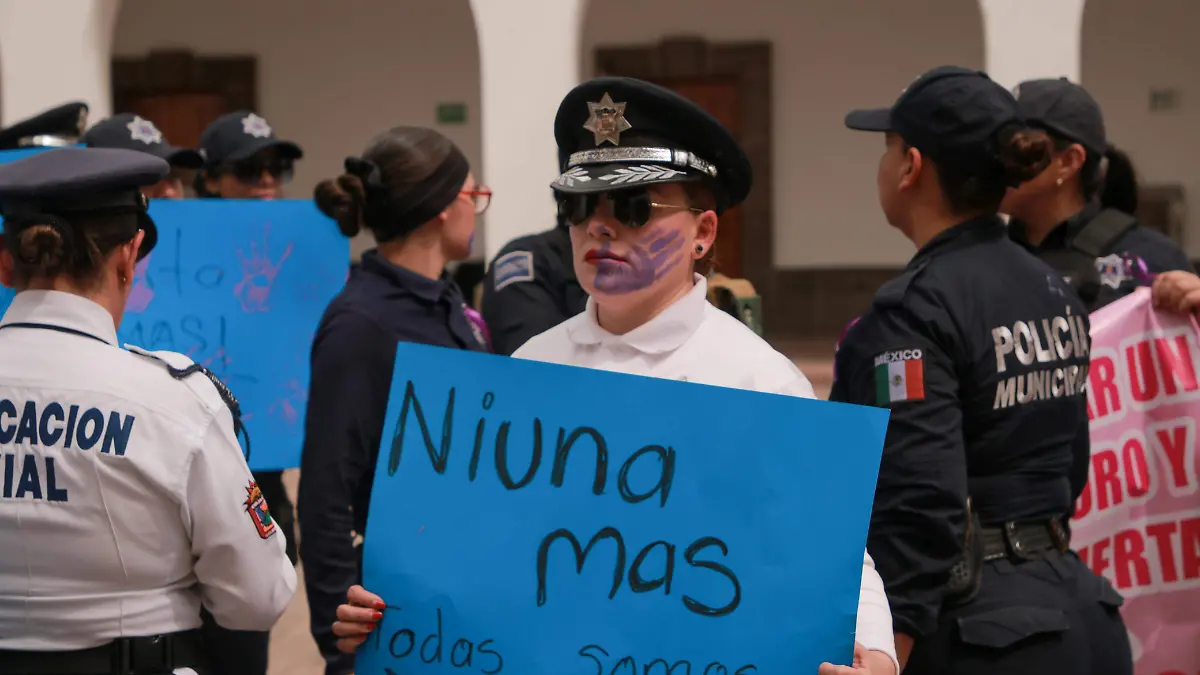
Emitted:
pixel 539 519
pixel 240 286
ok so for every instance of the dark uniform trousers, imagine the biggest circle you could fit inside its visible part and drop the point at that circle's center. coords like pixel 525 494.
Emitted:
pixel 1050 615
pixel 244 652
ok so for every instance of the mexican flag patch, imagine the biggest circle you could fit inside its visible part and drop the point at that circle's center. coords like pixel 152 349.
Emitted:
pixel 899 376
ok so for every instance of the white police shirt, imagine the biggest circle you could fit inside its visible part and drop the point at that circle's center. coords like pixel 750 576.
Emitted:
pixel 125 500
pixel 694 341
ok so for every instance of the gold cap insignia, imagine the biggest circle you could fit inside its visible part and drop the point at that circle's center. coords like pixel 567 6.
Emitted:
pixel 606 120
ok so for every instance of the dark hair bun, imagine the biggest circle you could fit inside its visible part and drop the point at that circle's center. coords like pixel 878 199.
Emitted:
pixel 342 199
pixel 1024 153
pixel 42 248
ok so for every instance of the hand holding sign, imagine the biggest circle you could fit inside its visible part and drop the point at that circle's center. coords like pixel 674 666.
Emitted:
pixel 517 526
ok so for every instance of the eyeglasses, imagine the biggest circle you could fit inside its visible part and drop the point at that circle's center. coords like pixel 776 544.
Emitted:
pixel 482 197
pixel 251 170
pixel 630 207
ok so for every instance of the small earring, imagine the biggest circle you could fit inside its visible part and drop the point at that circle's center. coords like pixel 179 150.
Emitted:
pixel 1059 181
pixel 699 248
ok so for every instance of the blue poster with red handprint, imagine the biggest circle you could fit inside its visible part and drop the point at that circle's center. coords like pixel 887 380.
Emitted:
pixel 240 286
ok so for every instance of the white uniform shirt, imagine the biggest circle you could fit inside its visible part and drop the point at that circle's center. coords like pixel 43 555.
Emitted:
pixel 125 500
pixel 694 341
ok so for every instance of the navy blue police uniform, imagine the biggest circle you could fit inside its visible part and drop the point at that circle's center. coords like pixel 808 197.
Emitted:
pixel 353 358
pixel 980 351
pixel 530 288
pixel 110 555
pixel 1103 253
pixel 57 127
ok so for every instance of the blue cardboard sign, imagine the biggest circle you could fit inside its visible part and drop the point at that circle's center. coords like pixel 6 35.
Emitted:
pixel 240 286
pixel 538 519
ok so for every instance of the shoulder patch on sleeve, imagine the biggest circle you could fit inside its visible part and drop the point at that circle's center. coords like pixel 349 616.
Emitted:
pixel 899 376
pixel 511 268
pixel 180 367
pixel 256 507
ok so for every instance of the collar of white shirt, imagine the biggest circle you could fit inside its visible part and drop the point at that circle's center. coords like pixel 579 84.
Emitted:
pixel 664 333
pixel 66 310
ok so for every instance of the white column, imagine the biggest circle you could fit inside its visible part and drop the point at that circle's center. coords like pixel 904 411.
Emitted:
pixel 529 60
pixel 1030 39
pixel 53 52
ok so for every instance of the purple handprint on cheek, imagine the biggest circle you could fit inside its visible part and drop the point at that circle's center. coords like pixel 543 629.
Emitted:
pixel 645 263
pixel 142 293
pixel 258 273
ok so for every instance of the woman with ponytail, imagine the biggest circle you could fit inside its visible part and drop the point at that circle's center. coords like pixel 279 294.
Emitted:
pixel 978 473
pixel 1079 214
pixel 413 190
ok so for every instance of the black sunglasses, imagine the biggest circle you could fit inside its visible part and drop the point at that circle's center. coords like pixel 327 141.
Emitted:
pixel 251 170
pixel 631 208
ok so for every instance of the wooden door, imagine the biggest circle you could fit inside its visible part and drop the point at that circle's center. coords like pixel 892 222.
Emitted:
pixel 720 97
pixel 180 117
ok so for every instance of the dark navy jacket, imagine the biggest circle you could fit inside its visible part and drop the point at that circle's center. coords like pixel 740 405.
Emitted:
pixel 353 357
pixel 981 352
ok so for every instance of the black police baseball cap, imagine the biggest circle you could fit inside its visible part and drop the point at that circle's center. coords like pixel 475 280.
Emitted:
pixel 619 132
pixel 1063 108
pixel 240 135
pixel 56 186
pixel 950 114
pixel 57 127
pixel 131 132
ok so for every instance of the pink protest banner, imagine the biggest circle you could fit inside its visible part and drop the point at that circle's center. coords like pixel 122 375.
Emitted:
pixel 1138 520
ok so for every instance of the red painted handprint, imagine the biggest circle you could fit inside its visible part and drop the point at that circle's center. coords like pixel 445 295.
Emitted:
pixel 141 294
pixel 258 273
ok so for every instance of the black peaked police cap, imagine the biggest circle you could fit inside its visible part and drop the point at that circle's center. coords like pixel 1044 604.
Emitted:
pixel 950 114
pixel 239 135
pixel 1065 108
pixel 59 126
pixel 618 132
pixel 55 186
pixel 132 132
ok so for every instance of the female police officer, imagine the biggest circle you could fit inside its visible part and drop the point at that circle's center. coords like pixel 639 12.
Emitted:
pixel 413 189
pixel 981 352
pixel 1061 215
pixel 645 174
pixel 126 503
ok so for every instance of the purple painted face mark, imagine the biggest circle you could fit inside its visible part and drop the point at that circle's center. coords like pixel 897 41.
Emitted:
pixel 645 264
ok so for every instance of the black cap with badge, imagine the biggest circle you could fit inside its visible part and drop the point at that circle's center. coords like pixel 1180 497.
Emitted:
pixel 951 114
pixel 131 132
pixel 57 127
pixel 1065 109
pixel 58 186
pixel 240 135
pixel 615 133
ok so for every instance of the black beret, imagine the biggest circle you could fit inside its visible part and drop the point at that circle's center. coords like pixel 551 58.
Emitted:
pixel 131 132
pixel 67 182
pixel 618 132
pixel 55 127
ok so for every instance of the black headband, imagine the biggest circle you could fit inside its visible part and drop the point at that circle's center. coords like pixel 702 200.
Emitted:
pixel 392 216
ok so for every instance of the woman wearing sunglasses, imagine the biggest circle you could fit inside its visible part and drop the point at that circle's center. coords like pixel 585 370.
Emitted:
pixel 244 159
pixel 647 174
pixel 412 188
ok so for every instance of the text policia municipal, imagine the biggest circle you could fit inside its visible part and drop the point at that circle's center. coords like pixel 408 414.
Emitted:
pixel 1043 342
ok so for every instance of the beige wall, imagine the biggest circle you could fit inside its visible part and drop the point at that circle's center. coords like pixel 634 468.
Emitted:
pixel 1129 48
pixel 331 74
pixel 334 73
pixel 829 56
